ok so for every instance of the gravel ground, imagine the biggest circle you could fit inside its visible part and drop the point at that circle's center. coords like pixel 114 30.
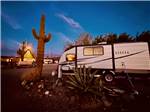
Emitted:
pixel 44 96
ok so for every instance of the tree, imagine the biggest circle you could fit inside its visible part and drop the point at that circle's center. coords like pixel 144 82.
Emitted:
pixel 98 40
pixel 144 36
pixel 124 37
pixel 84 39
pixel 21 51
pixel 111 38
pixel 42 39
pixel 68 46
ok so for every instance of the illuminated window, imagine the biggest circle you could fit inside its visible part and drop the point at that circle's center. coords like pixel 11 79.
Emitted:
pixel 98 51
pixel 70 57
pixel 88 51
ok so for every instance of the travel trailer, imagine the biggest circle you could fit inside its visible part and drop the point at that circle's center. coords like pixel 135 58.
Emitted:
pixel 108 60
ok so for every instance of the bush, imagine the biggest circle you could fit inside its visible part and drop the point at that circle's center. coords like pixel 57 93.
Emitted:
pixel 84 82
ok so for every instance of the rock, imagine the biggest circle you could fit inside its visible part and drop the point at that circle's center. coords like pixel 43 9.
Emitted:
pixel 106 102
pixel 23 83
pixel 31 83
pixel 39 90
pixel 41 86
pixel 135 92
pixel 27 87
pixel 42 80
pixel 46 92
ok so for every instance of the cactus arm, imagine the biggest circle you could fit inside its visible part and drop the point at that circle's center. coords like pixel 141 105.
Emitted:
pixel 42 39
pixel 47 38
pixel 35 34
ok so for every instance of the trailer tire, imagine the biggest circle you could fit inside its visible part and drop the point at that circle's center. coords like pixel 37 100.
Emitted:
pixel 108 77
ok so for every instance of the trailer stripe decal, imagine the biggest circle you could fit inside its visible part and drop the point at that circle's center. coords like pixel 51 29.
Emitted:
pixel 82 59
pixel 111 58
pixel 130 54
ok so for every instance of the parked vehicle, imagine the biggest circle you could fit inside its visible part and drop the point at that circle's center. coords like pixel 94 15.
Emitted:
pixel 26 62
pixel 108 60
pixel 48 61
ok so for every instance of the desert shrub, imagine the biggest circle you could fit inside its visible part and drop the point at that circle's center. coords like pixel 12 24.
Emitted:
pixel 84 82
pixel 88 86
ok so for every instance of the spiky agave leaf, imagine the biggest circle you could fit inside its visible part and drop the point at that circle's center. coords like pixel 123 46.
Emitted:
pixel 92 77
pixel 80 73
pixel 72 80
pixel 79 77
pixel 75 81
pixel 74 85
pixel 84 81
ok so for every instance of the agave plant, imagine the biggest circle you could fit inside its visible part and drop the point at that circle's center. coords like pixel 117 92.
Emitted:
pixel 83 80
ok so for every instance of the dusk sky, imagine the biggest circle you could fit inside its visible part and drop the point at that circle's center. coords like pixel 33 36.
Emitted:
pixel 67 20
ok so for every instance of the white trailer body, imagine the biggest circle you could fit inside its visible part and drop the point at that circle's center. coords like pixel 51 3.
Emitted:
pixel 118 57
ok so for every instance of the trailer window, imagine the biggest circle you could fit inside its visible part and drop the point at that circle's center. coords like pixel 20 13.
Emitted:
pixel 98 51
pixel 88 51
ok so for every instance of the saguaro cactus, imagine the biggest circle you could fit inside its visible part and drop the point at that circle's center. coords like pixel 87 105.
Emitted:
pixel 42 39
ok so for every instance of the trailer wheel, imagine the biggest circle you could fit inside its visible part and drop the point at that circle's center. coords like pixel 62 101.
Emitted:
pixel 108 77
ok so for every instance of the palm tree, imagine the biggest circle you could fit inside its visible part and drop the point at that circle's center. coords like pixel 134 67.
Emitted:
pixel 21 51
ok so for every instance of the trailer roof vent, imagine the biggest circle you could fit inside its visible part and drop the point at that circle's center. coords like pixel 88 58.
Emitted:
pixel 102 43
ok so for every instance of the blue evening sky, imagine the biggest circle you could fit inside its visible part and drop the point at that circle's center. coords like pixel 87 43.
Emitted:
pixel 67 20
